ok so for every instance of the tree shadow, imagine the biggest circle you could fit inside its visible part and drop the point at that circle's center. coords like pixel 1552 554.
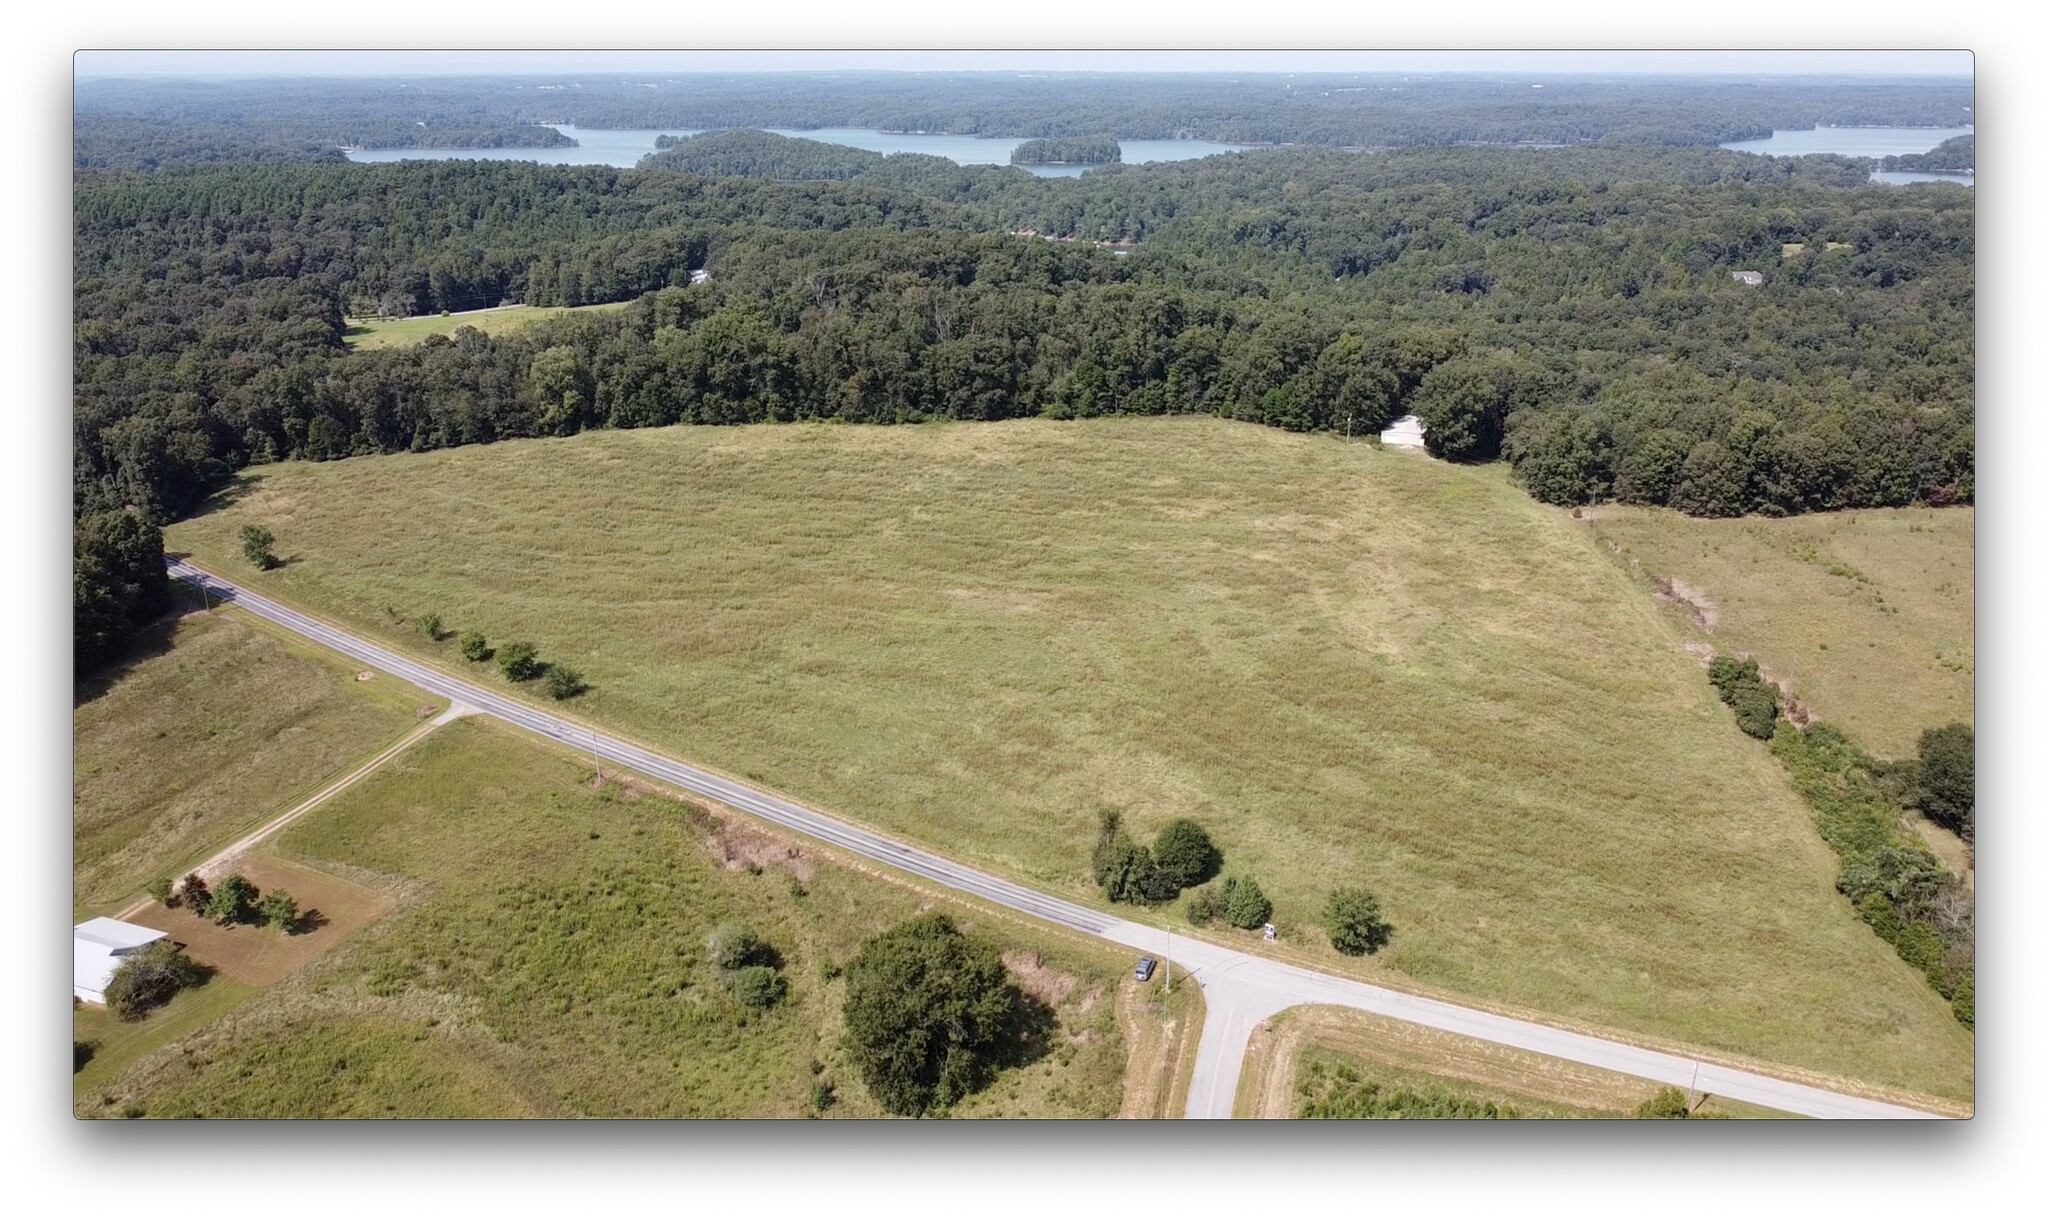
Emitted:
pixel 226 497
pixel 145 644
pixel 1029 1034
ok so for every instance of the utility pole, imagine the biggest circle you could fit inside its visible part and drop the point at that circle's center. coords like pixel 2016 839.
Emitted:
pixel 1169 961
pixel 595 759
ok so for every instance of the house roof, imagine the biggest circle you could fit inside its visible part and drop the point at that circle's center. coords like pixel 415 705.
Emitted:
pixel 114 935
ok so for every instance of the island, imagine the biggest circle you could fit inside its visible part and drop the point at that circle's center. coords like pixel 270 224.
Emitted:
pixel 1070 150
pixel 1958 155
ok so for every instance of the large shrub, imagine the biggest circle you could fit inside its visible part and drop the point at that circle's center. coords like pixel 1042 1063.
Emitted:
pixel 927 1011
pixel 519 661
pixel 1948 777
pixel 1244 905
pixel 733 945
pixel 149 978
pixel 1744 690
pixel 233 901
pixel 1354 921
pixel 1185 854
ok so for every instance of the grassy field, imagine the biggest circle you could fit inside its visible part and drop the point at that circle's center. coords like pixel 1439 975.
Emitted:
pixel 218 723
pixel 1285 1055
pixel 546 958
pixel 1866 615
pixel 370 333
pixel 1353 665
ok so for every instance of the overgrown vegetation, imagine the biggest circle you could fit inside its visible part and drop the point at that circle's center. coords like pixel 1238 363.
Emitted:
pixel 1671 1103
pixel 1337 1092
pixel 1129 873
pixel 1744 690
pixel 1898 886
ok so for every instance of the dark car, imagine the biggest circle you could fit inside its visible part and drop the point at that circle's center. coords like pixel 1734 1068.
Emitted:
pixel 1145 967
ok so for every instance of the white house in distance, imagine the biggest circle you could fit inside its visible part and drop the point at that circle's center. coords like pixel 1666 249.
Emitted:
pixel 1405 433
pixel 97 948
pixel 1751 278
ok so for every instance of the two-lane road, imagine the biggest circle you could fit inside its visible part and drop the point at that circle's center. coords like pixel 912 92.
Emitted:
pixel 1240 988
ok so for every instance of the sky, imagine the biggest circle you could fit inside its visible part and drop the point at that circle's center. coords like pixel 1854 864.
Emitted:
pixel 377 62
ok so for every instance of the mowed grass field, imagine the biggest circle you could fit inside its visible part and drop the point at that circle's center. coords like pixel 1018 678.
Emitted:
pixel 371 333
pixel 546 958
pixel 1866 615
pixel 1352 665
pixel 217 723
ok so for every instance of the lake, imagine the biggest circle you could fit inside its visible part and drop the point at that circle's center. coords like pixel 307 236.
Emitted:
pixel 623 149
pixel 1862 141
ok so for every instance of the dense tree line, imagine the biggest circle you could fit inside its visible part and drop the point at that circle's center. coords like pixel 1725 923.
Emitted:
pixel 1069 150
pixel 1347 109
pixel 1957 155
pixel 747 153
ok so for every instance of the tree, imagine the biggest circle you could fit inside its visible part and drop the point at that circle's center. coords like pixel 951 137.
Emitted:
pixel 519 661
pixel 758 986
pixel 1353 919
pixel 278 910
pixel 149 978
pixel 1109 829
pixel 159 890
pixel 1129 874
pixel 256 543
pixel 733 945
pixel 1185 854
pixel 564 682
pixel 475 648
pixel 117 582
pixel 1203 906
pixel 430 625
pixel 193 895
pixel 232 901
pixel 927 1014
pixel 1244 905
pixel 1948 777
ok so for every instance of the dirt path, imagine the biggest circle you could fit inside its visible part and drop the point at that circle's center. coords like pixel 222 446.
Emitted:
pixel 221 863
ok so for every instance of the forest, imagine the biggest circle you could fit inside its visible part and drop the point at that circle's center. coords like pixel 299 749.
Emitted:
pixel 181 120
pixel 1572 311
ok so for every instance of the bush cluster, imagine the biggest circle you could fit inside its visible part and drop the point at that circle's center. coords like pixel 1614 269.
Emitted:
pixel 1181 856
pixel 752 969
pixel 1754 699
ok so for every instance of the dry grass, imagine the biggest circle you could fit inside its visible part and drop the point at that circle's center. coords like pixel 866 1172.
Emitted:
pixel 1353 666
pixel 1865 615
pixel 547 959
pixel 219 723
pixel 1163 1030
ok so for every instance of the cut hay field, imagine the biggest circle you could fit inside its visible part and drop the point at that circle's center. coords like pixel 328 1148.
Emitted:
pixel 1353 665
pixel 1867 616
pixel 370 333
pixel 215 724
pixel 546 958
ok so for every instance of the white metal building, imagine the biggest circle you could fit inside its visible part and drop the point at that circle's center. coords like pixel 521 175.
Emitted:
pixel 97 948
pixel 1405 433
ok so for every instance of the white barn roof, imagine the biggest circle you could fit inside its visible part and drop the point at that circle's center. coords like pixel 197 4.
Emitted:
pixel 97 948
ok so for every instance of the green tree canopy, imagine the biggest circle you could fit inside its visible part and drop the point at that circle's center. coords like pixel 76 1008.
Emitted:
pixel 1355 923
pixel 150 977
pixel 1948 777
pixel 1185 853
pixel 927 1011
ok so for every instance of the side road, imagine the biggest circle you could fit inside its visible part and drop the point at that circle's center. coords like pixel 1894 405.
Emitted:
pixel 1240 988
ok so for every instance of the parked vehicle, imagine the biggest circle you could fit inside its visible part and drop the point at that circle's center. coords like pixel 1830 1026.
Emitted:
pixel 1145 966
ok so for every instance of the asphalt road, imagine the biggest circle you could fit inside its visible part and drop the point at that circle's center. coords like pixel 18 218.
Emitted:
pixel 1239 988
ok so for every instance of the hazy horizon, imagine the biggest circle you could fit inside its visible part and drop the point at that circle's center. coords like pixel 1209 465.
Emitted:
pixel 1935 64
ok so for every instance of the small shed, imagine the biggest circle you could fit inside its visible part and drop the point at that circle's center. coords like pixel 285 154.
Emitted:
pixel 98 947
pixel 700 276
pixel 1754 278
pixel 1405 433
